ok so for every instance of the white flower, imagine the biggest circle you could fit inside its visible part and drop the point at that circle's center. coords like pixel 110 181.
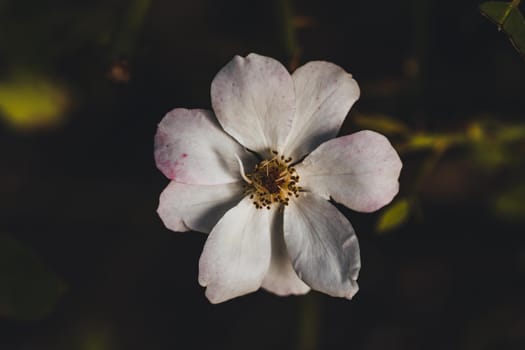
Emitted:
pixel 257 173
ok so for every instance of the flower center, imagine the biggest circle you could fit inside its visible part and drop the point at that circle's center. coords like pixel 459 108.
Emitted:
pixel 272 181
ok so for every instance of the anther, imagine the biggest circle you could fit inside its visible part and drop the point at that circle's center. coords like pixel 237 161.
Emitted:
pixel 272 181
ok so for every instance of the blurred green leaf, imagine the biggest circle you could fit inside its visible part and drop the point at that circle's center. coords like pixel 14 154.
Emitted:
pixel 394 216
pixel 28 289
pixel 381 123
pixel 509 19
pixel 515 28
pixel 496 11
pixel 510 204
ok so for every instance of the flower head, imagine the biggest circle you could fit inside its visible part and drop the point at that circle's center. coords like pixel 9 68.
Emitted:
pixel 258 172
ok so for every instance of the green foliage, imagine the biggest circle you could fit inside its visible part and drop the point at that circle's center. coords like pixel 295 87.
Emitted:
pixel 509 19
pixel 28 289
pixel 394 216
pixel 491 145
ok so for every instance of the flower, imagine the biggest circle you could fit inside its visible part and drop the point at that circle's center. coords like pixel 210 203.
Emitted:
pixel 258 173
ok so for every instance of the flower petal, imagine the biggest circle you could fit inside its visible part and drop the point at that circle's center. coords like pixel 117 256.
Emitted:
pixel 191 147
pixel 254 100
pixel 281 278
pixel 360 171
pixel 322 245
pixel 237 253
pixel 324 94
pixel 184 207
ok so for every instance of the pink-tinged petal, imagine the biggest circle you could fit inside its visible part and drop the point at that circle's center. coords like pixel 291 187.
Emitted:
pixel 184 207
pixel 237 253
pixel 281 278
pixel 254 100
pixel 324 94
pixel 322 245
pixel 192 148
pixel 360 170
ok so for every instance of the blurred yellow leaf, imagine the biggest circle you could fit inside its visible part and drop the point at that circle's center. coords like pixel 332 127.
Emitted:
pixel 32 102
pixel 381 123
pixel 394 216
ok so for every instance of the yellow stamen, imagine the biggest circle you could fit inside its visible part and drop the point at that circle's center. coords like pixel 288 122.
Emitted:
pixel 272 181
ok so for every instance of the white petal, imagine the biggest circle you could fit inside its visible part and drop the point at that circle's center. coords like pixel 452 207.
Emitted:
pixel 254 100
pixel 191 147
pixel 237 253
pixel 324 94
pixel 360 171
pixel 322 245
pixel 184 207
pixel 281 278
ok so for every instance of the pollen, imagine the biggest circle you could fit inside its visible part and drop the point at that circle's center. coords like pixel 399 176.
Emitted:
pixel 273 181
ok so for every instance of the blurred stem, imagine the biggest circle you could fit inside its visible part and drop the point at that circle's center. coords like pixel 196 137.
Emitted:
pixel 309 323
pixel 131 26
pixel 288 35
pixel 421 13
pixel 430 164
pixel 422 141
pixel 419 61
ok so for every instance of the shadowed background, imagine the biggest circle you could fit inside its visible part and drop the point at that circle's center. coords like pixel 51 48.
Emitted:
pixel 85 263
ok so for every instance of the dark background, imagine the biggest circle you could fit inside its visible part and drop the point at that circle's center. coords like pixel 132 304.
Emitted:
pixel 82 193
